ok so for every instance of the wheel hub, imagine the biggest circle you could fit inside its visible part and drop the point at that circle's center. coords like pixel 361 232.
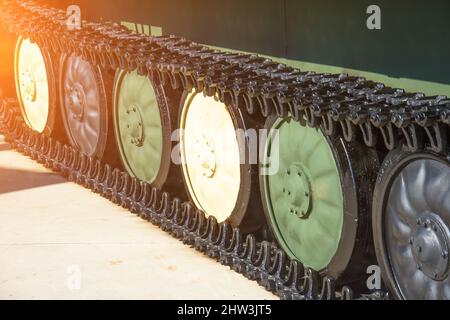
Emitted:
pixel 77 102
pixel 28 85
pixel 297 190
pixel 430 246
pixel 206 156
pixel 135 126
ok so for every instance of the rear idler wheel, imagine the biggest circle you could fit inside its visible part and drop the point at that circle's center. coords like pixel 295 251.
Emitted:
pixel 220 178
pixel 85 99
pixel 411 223
pixel 317 197
pixel 145 115
pixel 36 88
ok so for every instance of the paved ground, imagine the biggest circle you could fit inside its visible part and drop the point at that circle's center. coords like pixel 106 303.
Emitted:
pixel 60 241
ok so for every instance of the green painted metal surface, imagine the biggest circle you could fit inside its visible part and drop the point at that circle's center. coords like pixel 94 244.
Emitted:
pixel 304 198
pixel 138 126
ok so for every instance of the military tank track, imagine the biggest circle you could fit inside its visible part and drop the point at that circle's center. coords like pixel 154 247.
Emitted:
pixel 263 262
pixel 354 108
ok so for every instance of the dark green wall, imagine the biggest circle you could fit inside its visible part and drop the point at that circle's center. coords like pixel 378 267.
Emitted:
pixel 414 41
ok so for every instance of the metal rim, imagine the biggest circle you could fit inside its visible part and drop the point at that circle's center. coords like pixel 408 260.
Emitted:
pixel 412 226
pixel 210 155
pixel 32 84
pixel 138 125
pixel 83 105
pixel 304 199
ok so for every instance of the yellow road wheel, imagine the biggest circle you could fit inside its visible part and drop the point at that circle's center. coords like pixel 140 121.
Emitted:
pixel 35 86
pixel 216 172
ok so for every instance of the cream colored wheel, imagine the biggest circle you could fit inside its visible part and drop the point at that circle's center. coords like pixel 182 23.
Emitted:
pixel 32 84
pixel 210 155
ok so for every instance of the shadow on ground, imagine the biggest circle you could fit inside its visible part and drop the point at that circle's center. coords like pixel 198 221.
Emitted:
pixel 4 147
pixel 12 180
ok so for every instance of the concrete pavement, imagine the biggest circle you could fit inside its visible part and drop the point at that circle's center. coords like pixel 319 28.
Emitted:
pixel 60 241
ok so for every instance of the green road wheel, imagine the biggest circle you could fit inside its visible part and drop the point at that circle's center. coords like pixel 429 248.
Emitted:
pixel 143 127
pixel 35 86
pixel 311 195
pixel 219 179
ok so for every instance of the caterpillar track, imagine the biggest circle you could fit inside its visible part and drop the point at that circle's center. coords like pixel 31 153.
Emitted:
pixel 388 123
pixel 263 262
